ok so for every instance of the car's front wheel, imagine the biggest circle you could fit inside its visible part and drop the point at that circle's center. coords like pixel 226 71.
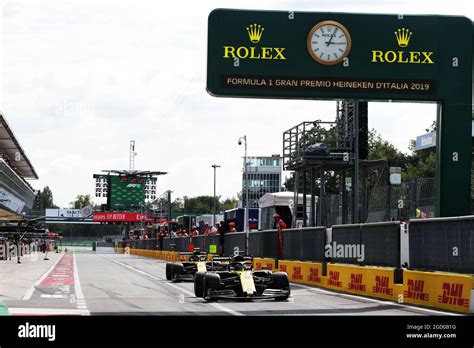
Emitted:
pixel 281 282
pixel 168 271
pixel 178 269
pixel 199 284
pixel 212 282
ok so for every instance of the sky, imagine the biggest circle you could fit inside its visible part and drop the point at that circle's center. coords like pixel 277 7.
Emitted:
pixel 81 78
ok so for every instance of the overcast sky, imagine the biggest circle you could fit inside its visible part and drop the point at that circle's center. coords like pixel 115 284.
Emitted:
pixel 81 78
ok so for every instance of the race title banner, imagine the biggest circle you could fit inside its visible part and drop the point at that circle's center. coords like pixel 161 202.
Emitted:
pixel 336 55
pixel 424 87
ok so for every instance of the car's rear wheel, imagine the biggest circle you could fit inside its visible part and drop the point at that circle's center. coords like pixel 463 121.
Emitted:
pixel 281 282
pixel 212 282
pixel 178 269
pixel 199 284
pixel 168 271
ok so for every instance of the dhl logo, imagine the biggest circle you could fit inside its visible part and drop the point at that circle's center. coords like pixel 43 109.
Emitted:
pixel 314 275
pixel 382 286
pixel 269 265
pixel 283 268
pixel 415 290
pixel 452 294
pixel 356 282
pixel 297 273
pixel 334 279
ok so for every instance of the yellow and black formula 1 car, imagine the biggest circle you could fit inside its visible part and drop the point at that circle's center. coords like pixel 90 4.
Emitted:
pixel 239 281
pixel 190 263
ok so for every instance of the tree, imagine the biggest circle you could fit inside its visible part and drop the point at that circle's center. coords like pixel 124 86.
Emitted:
pixel 81 202
pixel 228 203
pixel 332 186
pixel 385 150
pixel 423 162
pixel 201 204
pixel 425 167
pixel 44 200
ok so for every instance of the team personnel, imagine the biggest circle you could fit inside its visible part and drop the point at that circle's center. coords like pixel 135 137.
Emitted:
pixel 280 225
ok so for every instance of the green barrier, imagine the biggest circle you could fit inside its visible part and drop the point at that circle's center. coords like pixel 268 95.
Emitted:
pixel 4 309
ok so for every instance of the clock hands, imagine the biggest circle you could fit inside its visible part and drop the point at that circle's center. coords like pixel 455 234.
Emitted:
pixel 332 36
pixel 329 42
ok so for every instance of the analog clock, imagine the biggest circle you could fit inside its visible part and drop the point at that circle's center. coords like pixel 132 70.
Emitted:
pixel 329 42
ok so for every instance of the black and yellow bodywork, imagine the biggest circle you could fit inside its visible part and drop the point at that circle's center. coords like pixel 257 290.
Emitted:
pixel 189 264
pixel 236 279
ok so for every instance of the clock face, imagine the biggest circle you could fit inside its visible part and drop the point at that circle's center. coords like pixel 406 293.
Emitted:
pixel 329 42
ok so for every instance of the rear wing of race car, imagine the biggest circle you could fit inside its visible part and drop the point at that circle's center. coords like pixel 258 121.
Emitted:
pixel 222 258
pixel 196 251
pixel 184 255
pixel 231 258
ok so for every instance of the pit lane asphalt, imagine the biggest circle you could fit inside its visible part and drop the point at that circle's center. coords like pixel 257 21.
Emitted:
pixel 134 285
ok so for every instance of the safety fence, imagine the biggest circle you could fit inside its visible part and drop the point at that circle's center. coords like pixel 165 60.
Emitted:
pixel 444 244
pixel 381 203
pixel 375 243
pixel 441 244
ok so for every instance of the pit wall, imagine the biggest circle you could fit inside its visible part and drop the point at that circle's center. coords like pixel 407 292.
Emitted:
pixel 447 291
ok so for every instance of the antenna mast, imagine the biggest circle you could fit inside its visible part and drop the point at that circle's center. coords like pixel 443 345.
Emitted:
pixel 132 155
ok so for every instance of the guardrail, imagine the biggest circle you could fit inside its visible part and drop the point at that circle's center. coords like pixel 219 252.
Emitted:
pixel 441 244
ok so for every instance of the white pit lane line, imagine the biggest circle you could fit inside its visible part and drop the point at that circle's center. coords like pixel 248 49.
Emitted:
pixel 31 290
pixel 80 300
pixel 215 305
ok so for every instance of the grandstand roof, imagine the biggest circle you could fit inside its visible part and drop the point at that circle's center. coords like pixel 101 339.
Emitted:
pixel 11 148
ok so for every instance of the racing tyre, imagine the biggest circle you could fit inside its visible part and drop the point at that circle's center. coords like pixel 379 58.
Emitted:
pixel 199 284
pixel 168 271
pixel 212 281
pixel 280 281
pixel 177 270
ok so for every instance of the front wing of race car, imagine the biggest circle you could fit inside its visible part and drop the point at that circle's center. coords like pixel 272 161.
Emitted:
pixel 276 294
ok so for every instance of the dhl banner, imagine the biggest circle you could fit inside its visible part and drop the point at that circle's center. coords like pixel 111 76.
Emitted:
pixel 268 264
pixel 158 254
pixel 441 290
pixel 368 281
pixel 309 273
